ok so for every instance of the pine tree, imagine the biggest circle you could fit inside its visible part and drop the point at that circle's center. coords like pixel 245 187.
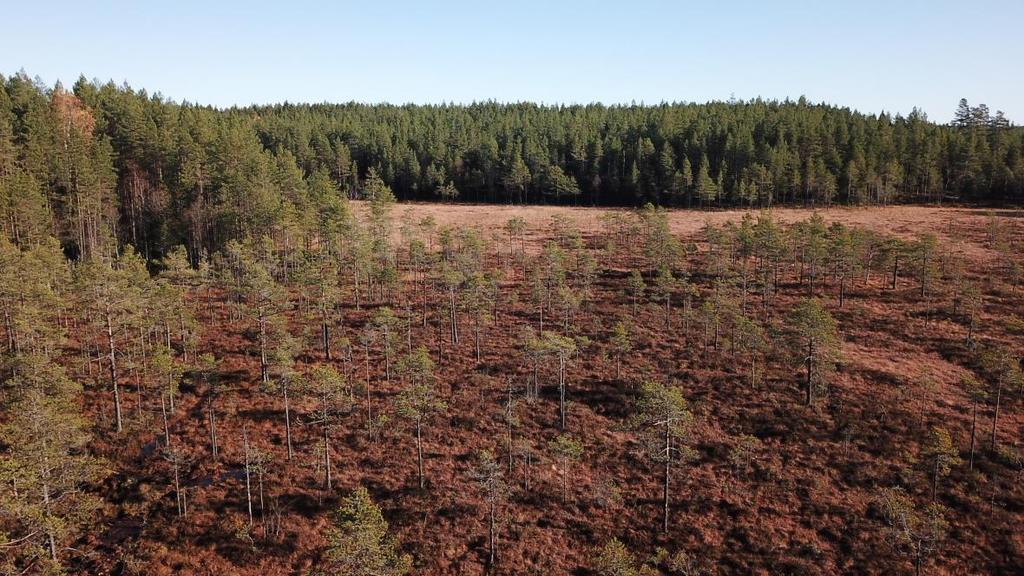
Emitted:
pixel 562 349
pixel 913 531
pixel 706 188
pixel 566 450
pixel 614 559
pixel 418 401
pixel 489 479
pixel 940 454
pixel 335 400
pixel 46 470
pixel 665 422
pixel 621 344
pixel 359 544
pixel 816 337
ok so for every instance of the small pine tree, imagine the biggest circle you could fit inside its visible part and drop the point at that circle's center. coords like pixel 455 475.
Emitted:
pixel 665 422
pixel 621 343
pixel 489 478
pixel 418 401
pixel 614 559
pixel 912 531
pixel 816 336
pixel 940 454
pixel 566 450
pixel 635 287
pixel 359 544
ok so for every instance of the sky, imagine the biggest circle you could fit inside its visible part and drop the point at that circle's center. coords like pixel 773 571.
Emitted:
pixel 868 55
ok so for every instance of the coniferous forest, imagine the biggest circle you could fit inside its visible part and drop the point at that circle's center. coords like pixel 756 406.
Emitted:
pixel 110 160
pixel 685 339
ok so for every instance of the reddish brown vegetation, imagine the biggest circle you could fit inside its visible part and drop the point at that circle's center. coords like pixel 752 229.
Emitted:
pixel 802 506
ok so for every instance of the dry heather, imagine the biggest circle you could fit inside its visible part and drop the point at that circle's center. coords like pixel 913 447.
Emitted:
pixel 804 504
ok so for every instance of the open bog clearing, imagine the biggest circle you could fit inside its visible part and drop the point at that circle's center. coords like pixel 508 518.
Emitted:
pixel 965 226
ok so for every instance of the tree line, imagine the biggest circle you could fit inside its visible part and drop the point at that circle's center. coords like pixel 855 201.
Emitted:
pixel 110 165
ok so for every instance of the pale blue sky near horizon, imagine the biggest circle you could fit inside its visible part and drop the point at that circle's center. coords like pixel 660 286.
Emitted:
pixel 870 56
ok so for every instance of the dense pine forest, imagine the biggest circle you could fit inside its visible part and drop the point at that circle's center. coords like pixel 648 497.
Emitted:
pixel 227 346
pixel 108 161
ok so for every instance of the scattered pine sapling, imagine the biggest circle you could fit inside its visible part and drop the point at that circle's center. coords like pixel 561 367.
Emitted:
pixel 208 372
pixel 743 453
pixel 1003 369
pixel 816 337
pixel 566 450
pixel 635 287
pixel 562 349
pixel 358 544
pixel 621 343
pixel 280 362
pixel 335 399
pixel 109 297
pixel 45 470
pixel 665 424
pixel 913 531
pixel 940 455
pixel 970 302
pixel 664 286
pixel 976 392
pixel 491 481
pixel 179 459
pixel 418 400
pixel 526 451
pixel 750 341
pixel 923 252
pixel 614 559
pixel 168 373
pixel 481 293
pixel 386 327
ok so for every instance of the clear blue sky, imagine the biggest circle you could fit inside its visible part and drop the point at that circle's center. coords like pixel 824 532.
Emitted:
pixel 868 55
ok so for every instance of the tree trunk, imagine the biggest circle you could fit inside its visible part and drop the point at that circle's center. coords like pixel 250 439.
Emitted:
pixel 177 487
pixel 527 461
pixel 213 427
pixel 50 540
pixel 327 453
pixel 326 336
pixel 668 467
pixel 974 427
pixel 264 367
pixel 476 330
pixel 565 479
pixel 491 535
pixel 561 391
pixel 248 483
pixel 453 317
pixel 419 452
pixel 511 454
pixel 995 413
pixel 387 354
pixel 810 380
pixel 167 431
pixel 287 420
pixel 113 369
pixel 369 414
